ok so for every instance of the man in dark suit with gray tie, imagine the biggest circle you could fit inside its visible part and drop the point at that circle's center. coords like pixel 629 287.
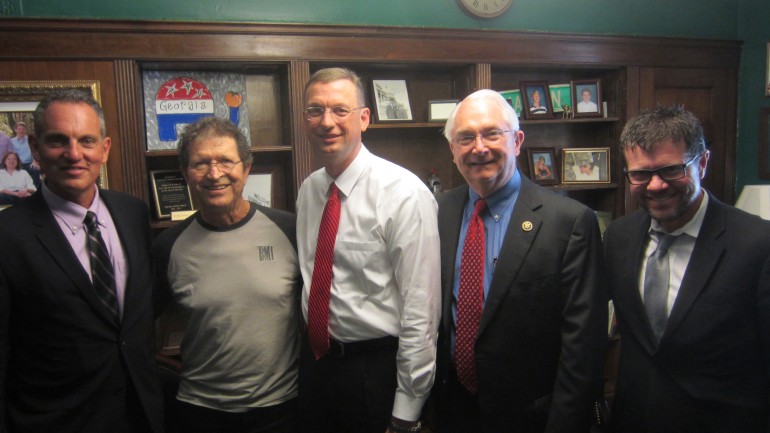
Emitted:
pixel 524 307
pixel 690 279
pixel 76 347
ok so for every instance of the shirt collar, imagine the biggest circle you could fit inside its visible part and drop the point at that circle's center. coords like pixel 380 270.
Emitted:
pixel 348 178
pixel 72 214
pixel 692 228
pixel 500 200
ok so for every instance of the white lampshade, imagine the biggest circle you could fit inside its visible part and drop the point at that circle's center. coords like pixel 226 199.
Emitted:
pixel 755 199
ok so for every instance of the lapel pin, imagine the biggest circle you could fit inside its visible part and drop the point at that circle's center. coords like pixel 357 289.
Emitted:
pixel 526 226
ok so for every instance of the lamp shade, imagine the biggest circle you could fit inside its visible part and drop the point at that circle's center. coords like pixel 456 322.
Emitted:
pixel 755 199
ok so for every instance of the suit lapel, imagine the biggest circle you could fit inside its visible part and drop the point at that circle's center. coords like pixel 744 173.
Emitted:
pixel 516 245
pixel 627 290
pixel 449 228
pixel 50 236
pixel 703 262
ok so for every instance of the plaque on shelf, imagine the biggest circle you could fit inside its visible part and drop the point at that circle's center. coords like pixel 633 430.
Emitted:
pixel 171 193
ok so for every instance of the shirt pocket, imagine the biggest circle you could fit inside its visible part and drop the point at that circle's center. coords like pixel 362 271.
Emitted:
pixel 365 265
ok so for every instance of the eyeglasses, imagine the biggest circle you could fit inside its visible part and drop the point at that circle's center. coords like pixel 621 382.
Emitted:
pixel 489 137
pixel 204 166
pixel 339 112
pixel 667 173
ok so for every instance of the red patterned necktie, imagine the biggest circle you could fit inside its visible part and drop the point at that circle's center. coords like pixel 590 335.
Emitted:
pixel 470 301
pixel 320 287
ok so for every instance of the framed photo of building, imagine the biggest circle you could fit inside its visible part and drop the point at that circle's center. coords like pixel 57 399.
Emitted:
pixel 543 168
pixel 585 165
pixel 391 101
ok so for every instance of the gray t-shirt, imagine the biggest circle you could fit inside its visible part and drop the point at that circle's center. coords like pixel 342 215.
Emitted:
pixel 238 290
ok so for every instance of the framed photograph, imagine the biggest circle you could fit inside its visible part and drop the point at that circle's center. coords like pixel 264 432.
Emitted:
pixel 514 98
pixel 259 189
pixel 587 95
pixel 585 165
pixel 537 100
pixel 764 143
pixel 391 101
pixel 440 110
pixel 171 193
pixel 18 100
pixel 542 165
pixel 561 98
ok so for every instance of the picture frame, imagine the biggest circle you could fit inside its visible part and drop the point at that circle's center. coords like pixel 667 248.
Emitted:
pixel 175 99
pixel 536 98
pixel 561 98
pixel 440 110
pixel 391 101
pixel 585 165
pixel 586 98
pixel 171 194
pixel 543 167
pixel 259 189
pixel 18 100
pixel 514 99
pixel 764 143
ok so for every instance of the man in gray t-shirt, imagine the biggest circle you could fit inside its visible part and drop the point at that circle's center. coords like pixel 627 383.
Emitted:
pixel 232 271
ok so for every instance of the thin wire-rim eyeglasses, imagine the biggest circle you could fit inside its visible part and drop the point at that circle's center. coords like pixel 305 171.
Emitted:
pixel 338 112
pixel 488 137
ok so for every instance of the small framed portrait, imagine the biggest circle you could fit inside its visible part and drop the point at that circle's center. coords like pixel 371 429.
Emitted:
pixel 542 165
pixel 391 101
pixel 587 96
pixel 537 100
pixel 585 165
pixel 514 99
pixel 440 110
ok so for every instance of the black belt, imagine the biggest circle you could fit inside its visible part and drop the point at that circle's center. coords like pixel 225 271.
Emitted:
pixel 340 349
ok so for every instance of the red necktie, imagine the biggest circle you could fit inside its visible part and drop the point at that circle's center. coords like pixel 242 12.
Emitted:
pixel 320 287
pixel 470 301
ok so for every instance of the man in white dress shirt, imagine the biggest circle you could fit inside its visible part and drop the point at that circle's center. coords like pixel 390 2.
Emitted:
pixel 384 299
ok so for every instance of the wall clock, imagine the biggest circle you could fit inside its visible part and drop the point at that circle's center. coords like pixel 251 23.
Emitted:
pixel 485 8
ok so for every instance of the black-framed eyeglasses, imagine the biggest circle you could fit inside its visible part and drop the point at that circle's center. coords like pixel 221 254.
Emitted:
pixel 489 137
pixel 205 165
pixel 339 112
pixel 667 173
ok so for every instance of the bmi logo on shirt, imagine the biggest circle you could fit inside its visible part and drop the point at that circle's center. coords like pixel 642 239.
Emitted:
pixel 266 253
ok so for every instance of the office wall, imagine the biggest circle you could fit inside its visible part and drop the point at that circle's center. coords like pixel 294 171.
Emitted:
pixel 713 19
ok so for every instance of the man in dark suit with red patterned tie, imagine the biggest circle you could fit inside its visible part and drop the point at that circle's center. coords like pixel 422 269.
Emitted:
pixel 526 354
pixel 76 346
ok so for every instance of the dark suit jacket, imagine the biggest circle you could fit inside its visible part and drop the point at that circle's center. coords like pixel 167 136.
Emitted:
pixel 64 365
pixel 542 337
pixel 711 370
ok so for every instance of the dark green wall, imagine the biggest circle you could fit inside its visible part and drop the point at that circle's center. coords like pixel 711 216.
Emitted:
pixel 745 20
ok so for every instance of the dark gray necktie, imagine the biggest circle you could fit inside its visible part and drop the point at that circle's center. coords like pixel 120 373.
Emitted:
pixel 656 277
pixel 101 266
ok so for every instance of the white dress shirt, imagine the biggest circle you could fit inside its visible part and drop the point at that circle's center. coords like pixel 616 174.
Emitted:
pixel 386 270
pixel 678 253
